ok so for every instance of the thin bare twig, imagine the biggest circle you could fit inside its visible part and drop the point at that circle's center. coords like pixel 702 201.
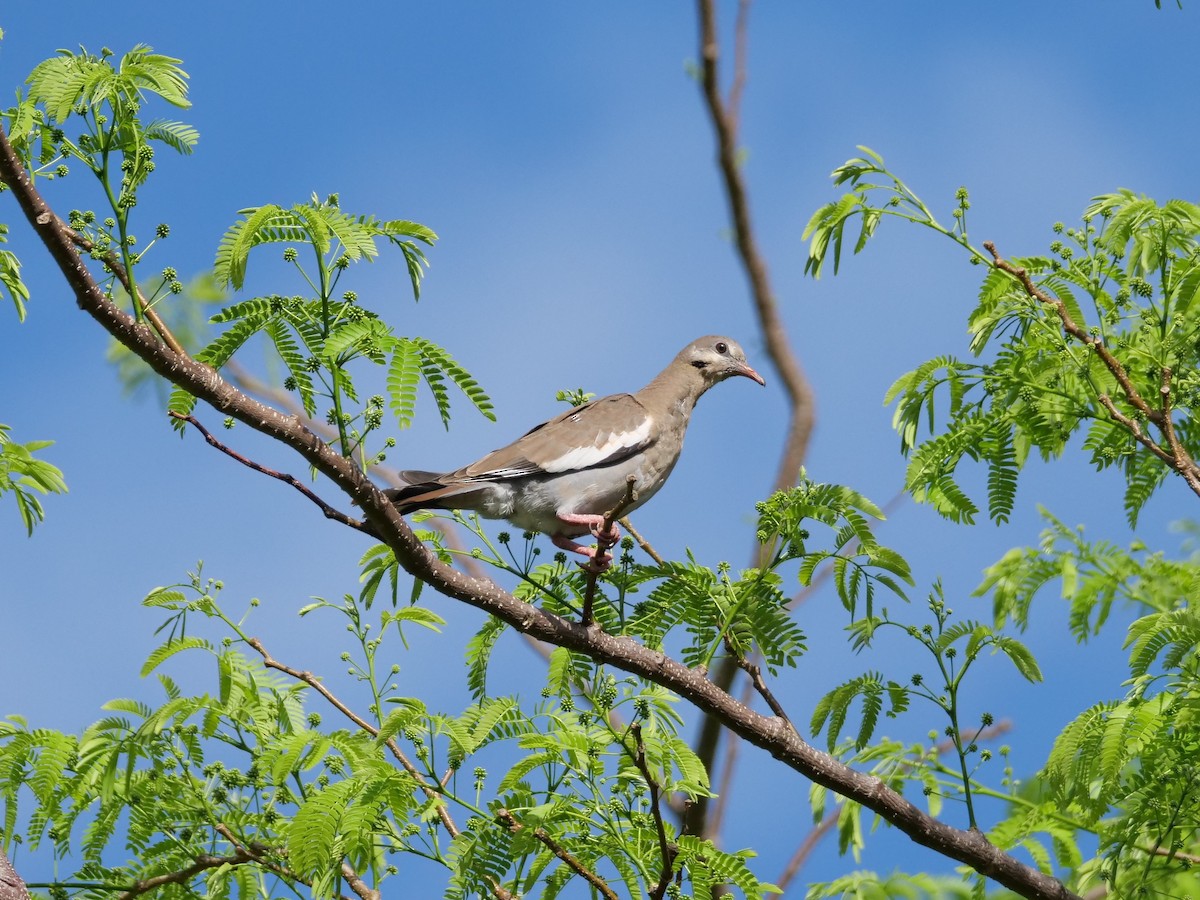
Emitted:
pixel 329 511
pixel 644 544
pixel 510 821
pixel 760 685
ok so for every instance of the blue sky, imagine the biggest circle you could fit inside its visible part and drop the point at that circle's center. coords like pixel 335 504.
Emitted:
pixel 562 154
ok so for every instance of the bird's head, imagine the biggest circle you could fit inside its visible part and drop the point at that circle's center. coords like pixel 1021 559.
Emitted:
pixel 716 358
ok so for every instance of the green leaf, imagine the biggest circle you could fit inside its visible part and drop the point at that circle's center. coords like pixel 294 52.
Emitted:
pixel 403 376
pixel 165 651
pixel 1021 657
pixel 259 224
pixel 179 136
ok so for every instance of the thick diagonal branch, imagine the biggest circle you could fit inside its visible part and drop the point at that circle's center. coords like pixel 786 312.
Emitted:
pixel 12 887
pixel 767 732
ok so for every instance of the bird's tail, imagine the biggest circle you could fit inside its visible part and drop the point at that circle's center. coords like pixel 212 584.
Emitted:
pixel 419 485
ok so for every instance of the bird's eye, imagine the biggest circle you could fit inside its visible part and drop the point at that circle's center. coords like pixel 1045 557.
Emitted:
pixel 721 347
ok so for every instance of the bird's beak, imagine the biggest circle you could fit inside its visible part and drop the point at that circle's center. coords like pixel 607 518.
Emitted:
pixel 744 369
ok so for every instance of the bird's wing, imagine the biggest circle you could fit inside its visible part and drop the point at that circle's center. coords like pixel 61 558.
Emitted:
pixel 596 434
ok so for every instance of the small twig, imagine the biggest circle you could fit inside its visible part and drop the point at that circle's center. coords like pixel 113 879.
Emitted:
pixel 114 264
pixel 510 821
pixel 606 539
pixel 329 511
pixel 315 683
pixel 760 685
pixel 668 850
pixel 646 546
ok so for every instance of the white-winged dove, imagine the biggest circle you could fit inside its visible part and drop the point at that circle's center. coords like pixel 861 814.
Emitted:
pixel 563 476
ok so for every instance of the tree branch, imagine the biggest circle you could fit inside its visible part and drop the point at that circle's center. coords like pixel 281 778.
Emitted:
pixel 510 821
pixel 315 683
pixel 11 885
pixel 329 511
pixel 622 652
pixel 1177 457
pixel 799 393
pixel 667 850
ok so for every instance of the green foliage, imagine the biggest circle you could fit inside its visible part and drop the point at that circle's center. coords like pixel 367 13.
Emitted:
pixel 105 102
pixel 1126 280
pixel 318 336
pixel 10 276
pixel 1122 769
pixel 26 476
pixel 954 648
pixel 1093 575
pixel 871 886
pixel 248 778
pixel 858 561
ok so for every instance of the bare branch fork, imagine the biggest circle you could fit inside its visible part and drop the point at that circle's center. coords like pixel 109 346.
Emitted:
pixel 1174 454
pixel 768 732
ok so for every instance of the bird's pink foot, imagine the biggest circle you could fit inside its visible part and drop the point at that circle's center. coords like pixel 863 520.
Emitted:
pixel 596 562
pixel 595 524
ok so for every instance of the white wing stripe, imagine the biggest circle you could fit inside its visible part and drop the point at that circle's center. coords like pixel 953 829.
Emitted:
pixel 583 457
